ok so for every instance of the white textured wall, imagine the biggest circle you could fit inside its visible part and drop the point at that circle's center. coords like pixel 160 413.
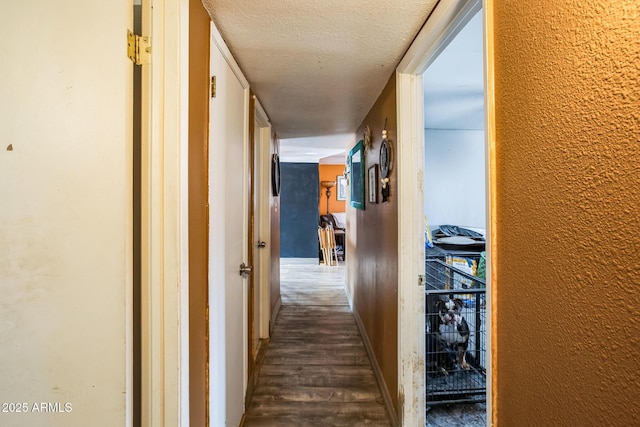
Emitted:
pixel 567 191
pixel 454 178
pixel 65 212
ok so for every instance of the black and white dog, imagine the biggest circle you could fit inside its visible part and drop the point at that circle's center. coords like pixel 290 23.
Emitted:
pixel 448 331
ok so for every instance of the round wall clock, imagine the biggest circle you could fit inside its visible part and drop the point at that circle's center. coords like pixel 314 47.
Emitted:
pixel 275 174
pixel 385 158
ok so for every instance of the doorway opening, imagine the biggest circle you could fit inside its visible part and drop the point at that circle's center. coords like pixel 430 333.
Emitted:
pixel 313 210
pixel 444 24
pixel 332 210
pixel 455 227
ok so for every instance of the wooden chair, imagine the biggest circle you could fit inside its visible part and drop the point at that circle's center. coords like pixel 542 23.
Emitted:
pixel 323 238
pixel 333 249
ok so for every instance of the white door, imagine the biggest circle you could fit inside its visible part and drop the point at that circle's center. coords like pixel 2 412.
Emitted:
pixel 228 241
pixel 65 215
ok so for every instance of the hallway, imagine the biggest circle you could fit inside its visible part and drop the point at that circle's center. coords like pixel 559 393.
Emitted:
pixel 316 371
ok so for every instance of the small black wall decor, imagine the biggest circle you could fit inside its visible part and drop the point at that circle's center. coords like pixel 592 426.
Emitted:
pixel 275 174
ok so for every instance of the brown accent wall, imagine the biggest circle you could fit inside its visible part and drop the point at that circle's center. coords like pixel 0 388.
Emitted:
pixel 372 264
pixel 199 23
pixel 566 196
pixel 329 173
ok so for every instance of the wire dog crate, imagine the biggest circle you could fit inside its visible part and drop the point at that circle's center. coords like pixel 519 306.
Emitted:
pixel 454 376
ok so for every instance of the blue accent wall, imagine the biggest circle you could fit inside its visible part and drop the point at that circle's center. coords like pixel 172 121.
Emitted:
pixel 299 192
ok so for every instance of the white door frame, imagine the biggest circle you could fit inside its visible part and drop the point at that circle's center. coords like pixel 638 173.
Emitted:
pixel 164 216
pixel 263 191
pixel 441 27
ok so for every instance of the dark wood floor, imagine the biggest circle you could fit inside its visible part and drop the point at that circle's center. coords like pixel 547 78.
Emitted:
pixel 316 371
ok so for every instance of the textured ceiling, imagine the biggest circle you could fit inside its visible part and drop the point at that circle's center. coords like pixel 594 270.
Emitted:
pixel 318 66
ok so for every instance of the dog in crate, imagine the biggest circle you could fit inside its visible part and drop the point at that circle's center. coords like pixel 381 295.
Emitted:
pixel 449 333
pixel 438 360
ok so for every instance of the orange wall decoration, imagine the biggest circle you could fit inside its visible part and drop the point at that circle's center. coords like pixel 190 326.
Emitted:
pixel 330 173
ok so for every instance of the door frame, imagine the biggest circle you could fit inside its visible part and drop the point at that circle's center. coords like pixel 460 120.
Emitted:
pixel 259 231
pixel 164 216
pixel 199 99
pixel 263 213
pixel 442 26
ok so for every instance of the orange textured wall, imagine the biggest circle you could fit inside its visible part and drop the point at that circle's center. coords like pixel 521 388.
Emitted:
pixel 329 173
pixel 566 192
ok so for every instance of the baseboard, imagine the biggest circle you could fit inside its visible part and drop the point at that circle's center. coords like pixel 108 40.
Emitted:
pixel 384 390
pixel 263 344
pixel 253 379
pixel 274 314
pixel 262 349
pixel 349 298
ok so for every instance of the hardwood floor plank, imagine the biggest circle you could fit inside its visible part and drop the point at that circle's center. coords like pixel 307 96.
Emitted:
pixel 317 360
pixel 319 309
pixel 301 393
pixel 316 381
pixel 356 410
pixel 311 420
pixel 315 371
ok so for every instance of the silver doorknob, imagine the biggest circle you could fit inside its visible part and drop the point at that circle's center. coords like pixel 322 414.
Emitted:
pixel 245 270
pixel 262 244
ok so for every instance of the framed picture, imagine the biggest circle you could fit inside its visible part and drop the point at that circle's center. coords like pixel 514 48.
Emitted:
pixel 357 181
pixel 373 184
pixel 341 192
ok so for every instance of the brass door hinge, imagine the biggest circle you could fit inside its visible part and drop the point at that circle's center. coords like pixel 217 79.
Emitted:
pixel 138 48
pixel 213 86
pixel 422 280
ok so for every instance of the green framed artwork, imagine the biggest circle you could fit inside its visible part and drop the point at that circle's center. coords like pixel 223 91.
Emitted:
pixel 356 175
